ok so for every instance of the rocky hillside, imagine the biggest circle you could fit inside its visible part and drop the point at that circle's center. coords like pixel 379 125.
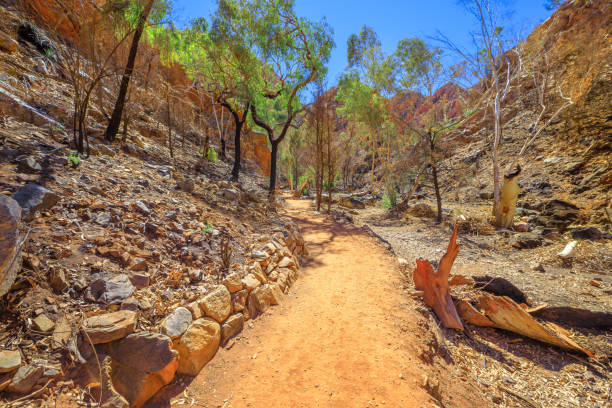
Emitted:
pixel 571 159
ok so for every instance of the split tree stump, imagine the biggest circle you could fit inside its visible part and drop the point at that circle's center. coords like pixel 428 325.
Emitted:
pixel 435 285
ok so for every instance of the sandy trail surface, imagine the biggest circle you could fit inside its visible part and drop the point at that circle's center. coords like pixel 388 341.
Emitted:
pixel 344 337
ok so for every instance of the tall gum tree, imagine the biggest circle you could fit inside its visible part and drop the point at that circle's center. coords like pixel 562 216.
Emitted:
pixel 232 69
pixel 293 52
pixel 364 92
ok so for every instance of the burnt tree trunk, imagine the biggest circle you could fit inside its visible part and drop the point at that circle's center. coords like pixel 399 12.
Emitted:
pixel 434 173
pixel 113 125
pixel 236 168
pixel 273 155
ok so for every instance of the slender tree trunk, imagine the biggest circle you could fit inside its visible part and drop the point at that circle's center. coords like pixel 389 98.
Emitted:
pixel 113 125
pixel 273 155
pixel 434 172
pixel 236 169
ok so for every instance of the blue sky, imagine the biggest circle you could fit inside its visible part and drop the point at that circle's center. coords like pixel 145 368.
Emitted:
pixel 391 19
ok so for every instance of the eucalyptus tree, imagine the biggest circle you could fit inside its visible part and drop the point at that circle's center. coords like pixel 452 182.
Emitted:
pixel 232 70
pixel 293 52
pixel 420 68
pixel 364 91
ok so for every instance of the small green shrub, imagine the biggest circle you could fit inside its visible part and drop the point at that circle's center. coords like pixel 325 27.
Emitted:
pixel 389 199
pixel 74 159
pixel 212 155
pixel 207 227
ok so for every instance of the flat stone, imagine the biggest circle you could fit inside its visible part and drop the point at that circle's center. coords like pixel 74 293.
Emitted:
pixel 32 198
pixel 57 280
pixel 112 290
pixel 140 265
pixel 175 324
pixel 286 262
pixel 130 304
pixel 217 304
pixel 110 326
pixel 25 379
pixel 142 208
pixel 28 165
pixel 103 219
pixel 230 194
pixel 526 240
pixel 140 280
pixel 591 233
pixel 232 326
pixel 9 360
pixel 43 324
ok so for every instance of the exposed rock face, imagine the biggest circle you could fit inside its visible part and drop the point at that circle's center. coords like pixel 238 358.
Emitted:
pixel 32 198
pixel 585 27
pixel 10 242
pixel 110 326
pixel 7 44
pixel 198 345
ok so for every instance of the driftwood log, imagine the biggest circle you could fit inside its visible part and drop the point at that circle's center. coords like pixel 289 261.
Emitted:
pixel 435 285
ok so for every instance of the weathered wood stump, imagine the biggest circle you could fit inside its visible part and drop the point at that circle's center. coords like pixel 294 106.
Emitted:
pixel 435 285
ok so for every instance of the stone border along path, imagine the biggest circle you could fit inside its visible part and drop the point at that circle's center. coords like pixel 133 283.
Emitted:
pixel 345 336
pixel 134 366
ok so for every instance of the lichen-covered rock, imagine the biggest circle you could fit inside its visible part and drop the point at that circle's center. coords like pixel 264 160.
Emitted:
pixel 198 345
